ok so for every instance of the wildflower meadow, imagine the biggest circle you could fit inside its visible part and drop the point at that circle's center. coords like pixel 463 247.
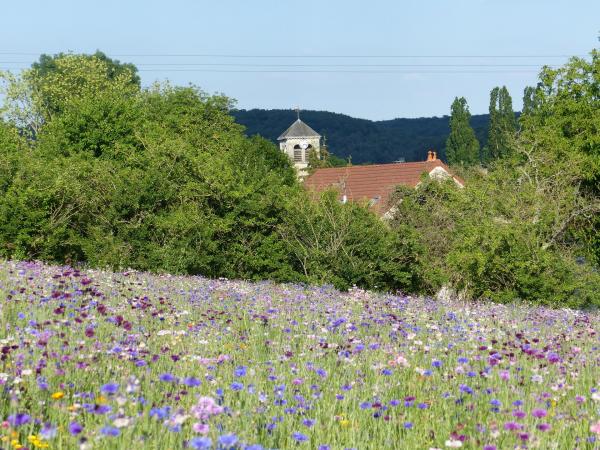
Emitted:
pixel 99 360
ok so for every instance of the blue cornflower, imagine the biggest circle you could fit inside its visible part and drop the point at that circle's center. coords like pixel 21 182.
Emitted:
pixel 110 431
pixel 240 371
pixel 299 437
pixel 200 443
pixel 228 440
pixel 167 377
pixel 237 386
pixel 109 388
pixel 309 422
pixel 192 382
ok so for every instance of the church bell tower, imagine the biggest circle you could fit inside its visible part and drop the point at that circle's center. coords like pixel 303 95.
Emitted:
pixel 297 142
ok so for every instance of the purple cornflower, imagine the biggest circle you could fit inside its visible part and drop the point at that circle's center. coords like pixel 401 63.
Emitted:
pixel 237 386
pixel 408 425
pixel 16 420
pixel 75 428
pixel 519 414
pixel 309 422
pixel 240 371
pixel 512 426
pixel 543 426
pixel 539 413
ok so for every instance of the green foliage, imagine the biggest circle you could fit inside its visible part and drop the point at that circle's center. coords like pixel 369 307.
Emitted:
pixel 462 146
pixel 52 70
pixel 505 236
pixel 346 245
pixel 565 119
pixel 500 261
pixel 323 159
pixel 430 213
pixel 503 125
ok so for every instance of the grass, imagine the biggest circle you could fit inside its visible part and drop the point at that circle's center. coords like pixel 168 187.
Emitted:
pixel 287 366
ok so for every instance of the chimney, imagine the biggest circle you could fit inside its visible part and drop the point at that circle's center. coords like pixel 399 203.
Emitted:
pixel 434 156
pixel 429 155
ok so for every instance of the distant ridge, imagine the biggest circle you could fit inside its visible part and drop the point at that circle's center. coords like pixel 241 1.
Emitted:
pixel 365 140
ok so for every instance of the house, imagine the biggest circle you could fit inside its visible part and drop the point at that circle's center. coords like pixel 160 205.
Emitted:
pixel 375 183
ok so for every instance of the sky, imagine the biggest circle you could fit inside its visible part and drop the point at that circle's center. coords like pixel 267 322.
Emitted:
pixel 376 59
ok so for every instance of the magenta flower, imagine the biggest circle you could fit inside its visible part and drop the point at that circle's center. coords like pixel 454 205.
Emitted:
pixel 539 413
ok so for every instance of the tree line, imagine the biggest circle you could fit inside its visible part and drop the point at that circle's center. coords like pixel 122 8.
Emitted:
pixel 96 170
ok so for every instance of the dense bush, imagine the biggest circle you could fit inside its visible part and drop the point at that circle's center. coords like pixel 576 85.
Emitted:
pixel 345 245
pixel 163 179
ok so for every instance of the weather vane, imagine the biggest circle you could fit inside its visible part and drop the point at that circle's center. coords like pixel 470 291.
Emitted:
pixel 298 112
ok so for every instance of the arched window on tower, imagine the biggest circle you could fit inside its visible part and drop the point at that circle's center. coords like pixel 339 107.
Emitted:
pixel 307 152
pixel 297 153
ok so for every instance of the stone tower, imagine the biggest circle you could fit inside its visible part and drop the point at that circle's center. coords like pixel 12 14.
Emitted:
pixel 297 142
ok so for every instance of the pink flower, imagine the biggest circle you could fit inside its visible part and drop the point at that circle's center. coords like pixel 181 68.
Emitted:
pixel 205 408
pixel 201 428
pixel 595 428
pixel 505 375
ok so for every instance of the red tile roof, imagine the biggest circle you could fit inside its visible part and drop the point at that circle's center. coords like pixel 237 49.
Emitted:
pixel 373 183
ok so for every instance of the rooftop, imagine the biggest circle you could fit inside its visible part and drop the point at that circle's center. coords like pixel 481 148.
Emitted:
pixel 298 130
pixel 373 183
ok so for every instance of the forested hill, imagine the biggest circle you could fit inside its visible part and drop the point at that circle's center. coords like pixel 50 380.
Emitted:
pixel 366 140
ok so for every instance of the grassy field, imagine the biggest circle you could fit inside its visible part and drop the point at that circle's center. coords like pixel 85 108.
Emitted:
pixel 94 359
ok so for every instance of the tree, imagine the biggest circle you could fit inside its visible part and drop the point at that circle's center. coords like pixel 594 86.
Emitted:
pixel 462 146
pixel 564 119
pixel 502 125
pixel 528 100
pixel 57 85
pixel 346 245
pixel 50 66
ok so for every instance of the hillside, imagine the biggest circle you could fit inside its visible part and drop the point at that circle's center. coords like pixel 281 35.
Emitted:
pixel 365 140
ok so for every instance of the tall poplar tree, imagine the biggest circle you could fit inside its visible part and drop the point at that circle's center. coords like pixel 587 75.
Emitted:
pixel 462 146
pixel 503 125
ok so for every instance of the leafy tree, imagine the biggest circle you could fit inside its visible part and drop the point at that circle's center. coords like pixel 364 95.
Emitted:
pixel 53 67
pixel 564 120
pixel 502 126
pixel 462 146
pixel 346 245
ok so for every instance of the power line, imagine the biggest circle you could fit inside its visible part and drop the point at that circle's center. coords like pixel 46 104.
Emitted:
pixel 223 55
pixel 312 65
pixel 318 71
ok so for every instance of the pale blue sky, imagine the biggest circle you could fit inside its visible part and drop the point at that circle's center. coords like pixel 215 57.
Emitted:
pixel 312 27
